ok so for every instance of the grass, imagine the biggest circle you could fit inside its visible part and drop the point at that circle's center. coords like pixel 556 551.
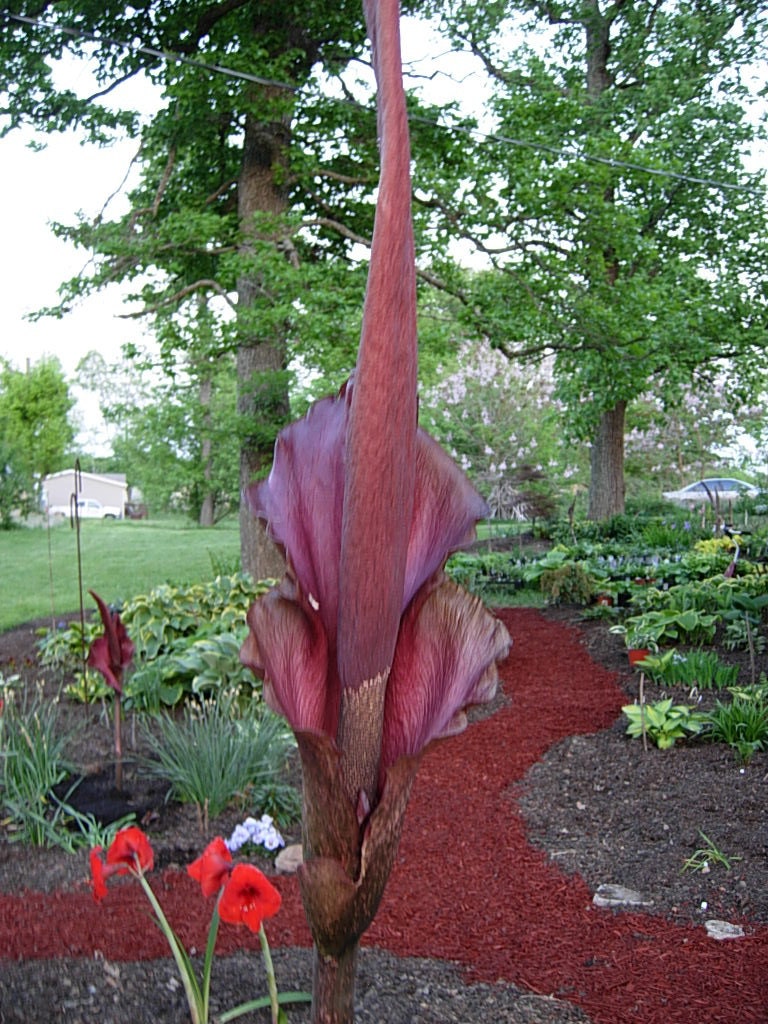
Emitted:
pixel 707 855
pixel 216 753
pixel 119 560
pixel 32 762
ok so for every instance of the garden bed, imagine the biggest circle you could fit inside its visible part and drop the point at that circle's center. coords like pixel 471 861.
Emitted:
pixel 489 913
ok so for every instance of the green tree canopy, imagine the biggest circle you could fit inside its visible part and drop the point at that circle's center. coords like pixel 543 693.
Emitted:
pixel 614 203
pixel 34 411
pixel 211 216
pixel 35 431
pixel 256 180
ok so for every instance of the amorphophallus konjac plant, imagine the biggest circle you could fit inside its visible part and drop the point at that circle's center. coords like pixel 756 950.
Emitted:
pixel 111 654
pixel 366 647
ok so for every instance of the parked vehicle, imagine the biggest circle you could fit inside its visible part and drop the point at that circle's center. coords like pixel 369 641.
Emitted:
pixel 88 508
pixel 136 510
pixel 713 489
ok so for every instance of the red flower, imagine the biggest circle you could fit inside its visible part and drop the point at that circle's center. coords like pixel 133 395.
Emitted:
pixel 98 880
pixel 111 653
pixel 248 898
pixel 129 852
pixel 131 848
pixel 212 867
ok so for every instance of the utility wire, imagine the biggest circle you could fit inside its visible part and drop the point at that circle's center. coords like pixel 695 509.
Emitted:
pixel 150 51
pixel 220 69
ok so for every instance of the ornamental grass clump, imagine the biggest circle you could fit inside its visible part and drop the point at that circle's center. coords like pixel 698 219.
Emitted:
pixel 218 752
pixel 244 896
pixel 741 723
pixel 32 762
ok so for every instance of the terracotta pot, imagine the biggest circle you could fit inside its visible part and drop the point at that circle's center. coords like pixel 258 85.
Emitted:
pixel 636 654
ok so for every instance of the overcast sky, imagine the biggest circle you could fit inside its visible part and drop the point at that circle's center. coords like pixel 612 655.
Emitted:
pixel 40 188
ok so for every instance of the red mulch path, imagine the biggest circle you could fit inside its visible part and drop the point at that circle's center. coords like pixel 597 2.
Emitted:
pixel 467 887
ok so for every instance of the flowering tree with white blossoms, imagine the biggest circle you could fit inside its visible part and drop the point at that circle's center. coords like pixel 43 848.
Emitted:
pixel 498 417
pixel 709 431
pixel 502 420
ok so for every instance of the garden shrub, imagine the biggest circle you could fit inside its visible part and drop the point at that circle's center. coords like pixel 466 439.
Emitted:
pixel 569 584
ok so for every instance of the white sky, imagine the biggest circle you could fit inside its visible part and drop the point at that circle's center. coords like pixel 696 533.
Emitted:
pixel 40 188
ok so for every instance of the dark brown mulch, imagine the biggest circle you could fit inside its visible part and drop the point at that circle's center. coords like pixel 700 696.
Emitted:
pixel 489 913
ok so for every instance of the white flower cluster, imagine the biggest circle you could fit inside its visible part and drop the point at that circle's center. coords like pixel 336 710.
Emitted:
pixel 260 833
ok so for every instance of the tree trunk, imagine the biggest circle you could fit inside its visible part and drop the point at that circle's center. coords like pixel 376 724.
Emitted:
pixel 207 505
pixel 259 359
pixel 258 555
pixel 606 485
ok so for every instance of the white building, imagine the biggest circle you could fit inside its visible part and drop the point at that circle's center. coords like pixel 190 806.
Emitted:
pixel 106 488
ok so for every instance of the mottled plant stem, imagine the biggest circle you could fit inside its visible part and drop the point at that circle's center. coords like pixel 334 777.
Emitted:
pixel 333 987
pixel 118 744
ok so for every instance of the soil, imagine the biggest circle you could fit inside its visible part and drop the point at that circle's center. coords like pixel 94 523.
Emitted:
pixel 489 913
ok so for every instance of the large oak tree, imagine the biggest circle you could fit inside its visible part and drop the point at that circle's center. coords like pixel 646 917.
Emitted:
pixel 256 169
pixel 614 203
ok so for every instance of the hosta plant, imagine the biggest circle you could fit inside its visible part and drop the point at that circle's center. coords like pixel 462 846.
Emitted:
pixel 667 625
pixel 664 723
pixel 198 666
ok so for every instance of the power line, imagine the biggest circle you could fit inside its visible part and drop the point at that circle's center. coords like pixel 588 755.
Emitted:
pixel 591 158
pixel 220 69
pixel 150 51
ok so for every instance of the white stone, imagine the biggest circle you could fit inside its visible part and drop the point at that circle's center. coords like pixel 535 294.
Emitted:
pixel 619 896
pixel 288 861
pixel 722 930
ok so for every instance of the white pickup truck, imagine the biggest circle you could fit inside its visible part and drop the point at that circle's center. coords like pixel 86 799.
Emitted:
pixel 88 508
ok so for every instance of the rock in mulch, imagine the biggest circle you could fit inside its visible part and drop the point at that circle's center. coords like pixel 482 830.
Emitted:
pixel 619 896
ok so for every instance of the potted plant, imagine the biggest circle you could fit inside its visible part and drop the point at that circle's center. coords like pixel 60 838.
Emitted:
pixel 639 643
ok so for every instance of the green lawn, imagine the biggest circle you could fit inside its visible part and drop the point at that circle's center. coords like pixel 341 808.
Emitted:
pixel 39 568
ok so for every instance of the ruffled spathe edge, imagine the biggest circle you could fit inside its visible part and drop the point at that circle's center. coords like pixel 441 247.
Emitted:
pixel 445 660
pixel 287 646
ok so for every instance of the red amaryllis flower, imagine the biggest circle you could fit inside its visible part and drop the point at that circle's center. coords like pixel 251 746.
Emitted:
pixel 212 867
pixel 248 898
pixel 111 653
pixel 129 853
pixel 129 850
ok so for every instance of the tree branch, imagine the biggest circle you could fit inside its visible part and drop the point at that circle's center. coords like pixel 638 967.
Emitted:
pixel 182 293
